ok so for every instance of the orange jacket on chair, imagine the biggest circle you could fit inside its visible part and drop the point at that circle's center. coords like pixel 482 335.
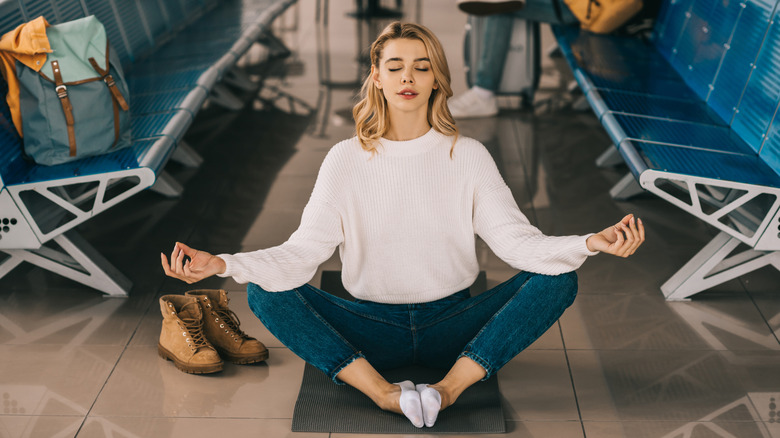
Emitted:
pixel 29 45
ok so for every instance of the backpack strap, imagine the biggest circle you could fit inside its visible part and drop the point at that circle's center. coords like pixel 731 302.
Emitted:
pixel 116 96
pixel 111 84
pixel 67 107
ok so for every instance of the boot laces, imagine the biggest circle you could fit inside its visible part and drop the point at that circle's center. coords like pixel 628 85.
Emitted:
pixel 231 319
pixel 195 329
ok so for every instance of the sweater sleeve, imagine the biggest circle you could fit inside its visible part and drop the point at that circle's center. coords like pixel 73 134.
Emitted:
pixel 499 222
pixel 295 262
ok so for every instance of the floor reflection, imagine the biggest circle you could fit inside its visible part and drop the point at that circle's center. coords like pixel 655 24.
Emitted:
pixel 669 385
pixel 69 327
pixel 718 327
pixel 759 408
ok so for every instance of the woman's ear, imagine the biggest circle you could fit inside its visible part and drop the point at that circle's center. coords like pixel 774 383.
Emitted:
pixel 375 77
pixel 435 85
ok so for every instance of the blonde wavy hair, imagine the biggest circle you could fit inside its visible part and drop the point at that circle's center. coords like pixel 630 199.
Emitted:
pixel 370 112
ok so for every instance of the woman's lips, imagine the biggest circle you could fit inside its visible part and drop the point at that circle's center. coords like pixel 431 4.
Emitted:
pixel 407 94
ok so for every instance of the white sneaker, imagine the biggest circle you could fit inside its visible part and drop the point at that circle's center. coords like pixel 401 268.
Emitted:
pixel 471 105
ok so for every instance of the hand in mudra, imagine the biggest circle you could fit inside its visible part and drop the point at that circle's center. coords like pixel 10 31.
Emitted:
pixel 621 239
pixel 200 264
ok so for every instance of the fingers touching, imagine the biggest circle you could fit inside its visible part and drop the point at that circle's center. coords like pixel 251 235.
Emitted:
pixel 186 250
pixel 629 235
pixel 180 266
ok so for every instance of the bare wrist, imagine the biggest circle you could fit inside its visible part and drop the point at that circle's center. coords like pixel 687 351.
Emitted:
pixel 588 244
pixel 222 265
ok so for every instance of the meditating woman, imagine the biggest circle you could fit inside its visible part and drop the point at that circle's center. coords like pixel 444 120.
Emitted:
pixel 403 201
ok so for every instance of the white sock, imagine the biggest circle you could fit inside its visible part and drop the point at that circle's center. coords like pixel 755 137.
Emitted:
pixel 431 403
pixel 410 403
pixel 482 92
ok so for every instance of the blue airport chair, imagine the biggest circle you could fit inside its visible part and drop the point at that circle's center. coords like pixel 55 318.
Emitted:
pixel 43 204
pixel 708 143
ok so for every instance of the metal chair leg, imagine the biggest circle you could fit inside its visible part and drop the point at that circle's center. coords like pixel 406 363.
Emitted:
pixel 78 261
pixel 713 265
pixel 626 188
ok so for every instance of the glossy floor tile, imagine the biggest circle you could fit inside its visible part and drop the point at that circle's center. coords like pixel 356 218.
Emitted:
pixel 145 385
pixel 99 427
pixel 669 385
pixel 536 386
pixel 54 379
pixel 647 322
pixel 43 426
pixel 69 318
pixel 670 429
pixel 622 362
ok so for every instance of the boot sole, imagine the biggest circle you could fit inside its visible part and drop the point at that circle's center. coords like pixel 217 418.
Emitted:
pixel 188 368
pixel 242 360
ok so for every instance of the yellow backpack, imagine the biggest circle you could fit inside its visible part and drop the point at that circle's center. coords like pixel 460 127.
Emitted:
pixel 603 16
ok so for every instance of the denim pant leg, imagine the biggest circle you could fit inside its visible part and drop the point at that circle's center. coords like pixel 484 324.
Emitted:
pixel 495 326
pixel 497 33
pixel 329 332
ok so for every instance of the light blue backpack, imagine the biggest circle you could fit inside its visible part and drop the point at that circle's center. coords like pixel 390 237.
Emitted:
pixel 77 105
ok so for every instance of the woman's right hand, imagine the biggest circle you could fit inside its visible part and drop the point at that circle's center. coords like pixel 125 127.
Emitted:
pixel 199 266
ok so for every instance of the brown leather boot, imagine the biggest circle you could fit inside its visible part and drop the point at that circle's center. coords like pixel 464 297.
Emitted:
pixel 181 337
pixel 221 326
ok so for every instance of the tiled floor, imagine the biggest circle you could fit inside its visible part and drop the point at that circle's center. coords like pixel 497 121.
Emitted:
pixel 622 362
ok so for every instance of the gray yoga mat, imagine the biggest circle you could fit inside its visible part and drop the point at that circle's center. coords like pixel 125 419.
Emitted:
pixel 323 406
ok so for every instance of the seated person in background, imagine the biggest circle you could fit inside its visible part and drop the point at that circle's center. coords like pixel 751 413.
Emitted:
pixel 480 100
pixel 403 201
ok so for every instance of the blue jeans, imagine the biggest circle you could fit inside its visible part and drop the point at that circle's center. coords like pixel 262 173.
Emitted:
pixel 498 34
pixel 491 328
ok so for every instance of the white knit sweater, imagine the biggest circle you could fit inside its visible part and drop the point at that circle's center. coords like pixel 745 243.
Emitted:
pixel 404 221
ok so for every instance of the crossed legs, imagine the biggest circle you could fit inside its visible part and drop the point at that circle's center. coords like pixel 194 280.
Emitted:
pixel 349 341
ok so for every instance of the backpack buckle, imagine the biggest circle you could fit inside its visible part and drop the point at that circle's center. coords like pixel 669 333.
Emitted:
pixel 62 91
pixel 109 80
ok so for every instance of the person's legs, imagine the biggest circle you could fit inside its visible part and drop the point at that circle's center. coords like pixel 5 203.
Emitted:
pixel 480 99
pixel 338 337
pixel 496 36
pixel 531 311
pixel 299 325
pixel 481 334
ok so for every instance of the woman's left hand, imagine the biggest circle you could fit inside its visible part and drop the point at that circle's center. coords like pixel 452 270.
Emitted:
pixel 199 266
pixel 621 239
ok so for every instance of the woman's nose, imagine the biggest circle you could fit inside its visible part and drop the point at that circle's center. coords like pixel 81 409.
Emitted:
pixel 407 78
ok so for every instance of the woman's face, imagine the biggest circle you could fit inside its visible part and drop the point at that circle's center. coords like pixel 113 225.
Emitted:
pixel 405 76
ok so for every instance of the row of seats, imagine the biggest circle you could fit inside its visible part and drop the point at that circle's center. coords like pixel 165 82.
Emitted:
pixel 175 53
pixel 693 114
